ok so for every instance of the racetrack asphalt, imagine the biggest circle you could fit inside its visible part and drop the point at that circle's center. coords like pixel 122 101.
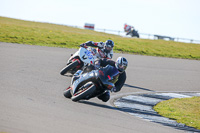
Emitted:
pixel 31 92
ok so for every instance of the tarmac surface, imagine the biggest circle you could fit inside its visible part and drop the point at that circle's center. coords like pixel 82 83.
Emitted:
pixel 32 101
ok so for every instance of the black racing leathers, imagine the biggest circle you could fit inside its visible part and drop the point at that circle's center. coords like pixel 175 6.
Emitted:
pixel 94 44
pixel 122 76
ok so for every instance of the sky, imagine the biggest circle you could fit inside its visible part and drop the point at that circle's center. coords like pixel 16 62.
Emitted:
pixel 174 18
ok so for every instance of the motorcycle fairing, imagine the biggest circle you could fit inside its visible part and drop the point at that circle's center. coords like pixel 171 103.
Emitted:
pixel 86 56
pixel 108 76
pixel 82 78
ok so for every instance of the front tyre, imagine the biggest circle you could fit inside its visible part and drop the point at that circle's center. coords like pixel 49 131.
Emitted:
pixel 84 92
pixel 69 67
pixel 67 93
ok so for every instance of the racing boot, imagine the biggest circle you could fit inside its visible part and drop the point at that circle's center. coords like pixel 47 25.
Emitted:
pixel 105 96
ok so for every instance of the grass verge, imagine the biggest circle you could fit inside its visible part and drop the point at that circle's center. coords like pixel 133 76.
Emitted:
pixel 183 110
pixel 45 34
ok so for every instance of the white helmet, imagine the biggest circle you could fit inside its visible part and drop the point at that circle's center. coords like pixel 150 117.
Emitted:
pixel 121 64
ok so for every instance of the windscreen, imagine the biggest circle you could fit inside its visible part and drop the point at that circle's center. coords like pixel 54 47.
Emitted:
pixel 108 74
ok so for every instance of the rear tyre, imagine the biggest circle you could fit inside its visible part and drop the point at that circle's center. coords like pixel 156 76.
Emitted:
pixel 69 67
pixel 67 93
pixel 137 35
pixel 84 92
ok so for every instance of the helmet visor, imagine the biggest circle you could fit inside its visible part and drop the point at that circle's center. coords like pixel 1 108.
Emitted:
pixel 121 67
pixel 107 49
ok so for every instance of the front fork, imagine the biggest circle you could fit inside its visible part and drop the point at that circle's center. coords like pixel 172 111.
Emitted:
pixel 76 76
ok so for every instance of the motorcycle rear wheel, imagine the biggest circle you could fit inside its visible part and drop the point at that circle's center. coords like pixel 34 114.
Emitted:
pixel 69 67
pixel 83 92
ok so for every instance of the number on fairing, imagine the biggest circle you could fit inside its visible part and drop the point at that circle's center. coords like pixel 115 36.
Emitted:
pixel 89 55
pixel 84 57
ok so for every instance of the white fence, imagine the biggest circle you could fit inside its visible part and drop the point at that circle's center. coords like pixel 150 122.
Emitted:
pixel 147 36
pixel 142 35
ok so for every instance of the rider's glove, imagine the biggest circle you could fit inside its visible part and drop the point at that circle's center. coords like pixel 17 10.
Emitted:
pixel 114 89
pixel 83 45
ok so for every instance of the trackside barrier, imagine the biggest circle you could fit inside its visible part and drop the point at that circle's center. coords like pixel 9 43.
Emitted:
pixel 150 36
pixel 89 26
pixel 144 35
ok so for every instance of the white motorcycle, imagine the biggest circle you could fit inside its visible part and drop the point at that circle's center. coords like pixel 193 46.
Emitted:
pixel 78 60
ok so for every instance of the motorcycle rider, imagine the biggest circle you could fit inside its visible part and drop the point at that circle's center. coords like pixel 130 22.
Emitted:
pixel 127 28
pixel 121 64
pixel 104 49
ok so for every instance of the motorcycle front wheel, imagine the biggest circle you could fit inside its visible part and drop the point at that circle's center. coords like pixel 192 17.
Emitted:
pixel 84 91
pixel 67 93
pixel 69 67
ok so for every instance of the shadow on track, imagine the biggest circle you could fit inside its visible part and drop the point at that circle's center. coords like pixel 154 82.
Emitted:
pixel 98 105
pixel 68 75
pixel 150 113
pixel 136 87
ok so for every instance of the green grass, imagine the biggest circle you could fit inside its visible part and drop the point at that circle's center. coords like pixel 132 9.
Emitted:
pixel 183 110
pixel 45 34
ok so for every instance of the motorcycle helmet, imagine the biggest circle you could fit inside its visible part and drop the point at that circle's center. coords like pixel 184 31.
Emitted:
pixel 121 64
pixel 109 44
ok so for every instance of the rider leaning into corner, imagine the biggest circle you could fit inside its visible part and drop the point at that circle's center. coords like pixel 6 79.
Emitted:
pixel 121 64
pixel 104 49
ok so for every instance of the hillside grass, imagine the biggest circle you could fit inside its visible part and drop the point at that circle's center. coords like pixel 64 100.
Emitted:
pixel 183 110
pixel 46 34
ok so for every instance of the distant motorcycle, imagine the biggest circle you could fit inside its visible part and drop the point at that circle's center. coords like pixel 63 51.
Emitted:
pixel 81 58
pixel 133 33
pixel 92 84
